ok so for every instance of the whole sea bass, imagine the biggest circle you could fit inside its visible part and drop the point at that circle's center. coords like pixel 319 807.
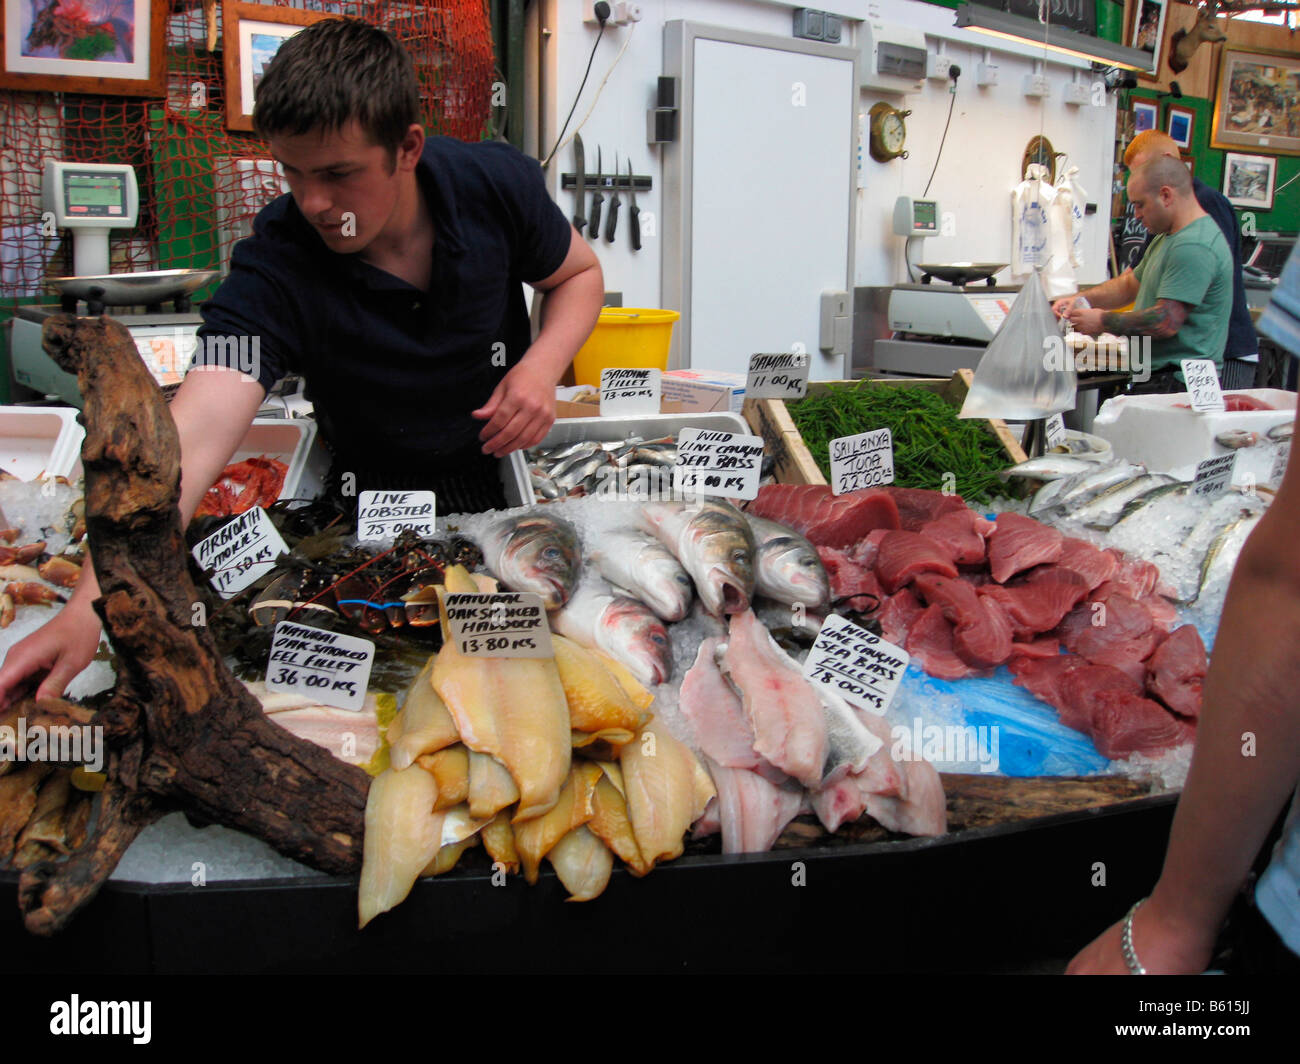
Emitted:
pixel 786 566
pixel 535 552
pixel 713 542
pixel 647 570
pixel 623 628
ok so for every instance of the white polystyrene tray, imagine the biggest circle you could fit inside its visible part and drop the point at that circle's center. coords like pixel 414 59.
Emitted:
pixel 39 440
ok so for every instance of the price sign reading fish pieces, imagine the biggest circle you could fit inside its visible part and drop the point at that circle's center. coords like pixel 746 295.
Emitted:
pixel 240 552
pixel 725 464
pixel 779 376
pixel 330 668
pixel 1214 475
pixel 383 515
pixel 1203 389
pixel 503 625
pixel 859 667
pixel 862 461
pixel 1055 431
pixel 628 392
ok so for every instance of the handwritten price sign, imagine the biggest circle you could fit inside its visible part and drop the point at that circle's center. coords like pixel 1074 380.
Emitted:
pixel 859 667
pixel 862 461
pixel 1203 389
pixel 240 552
pixel 779 376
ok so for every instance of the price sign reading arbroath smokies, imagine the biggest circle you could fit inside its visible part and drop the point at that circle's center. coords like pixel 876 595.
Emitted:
pixel 1214 475
pixel 330 668
pixel 629 392
pixel 240 551
pixel 862 461
pixel 779 376
pixel 1054 431
pixel 504 625
pixel 1203 390
pixel 383 515
pixel 859 667
pixel 725 464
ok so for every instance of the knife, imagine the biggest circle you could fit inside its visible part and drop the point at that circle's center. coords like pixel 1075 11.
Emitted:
pixel 612 224
pixel 580 187
pixel 634 215
pixel 597 199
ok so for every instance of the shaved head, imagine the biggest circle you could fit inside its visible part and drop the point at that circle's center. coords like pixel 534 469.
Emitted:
pixel 1161 172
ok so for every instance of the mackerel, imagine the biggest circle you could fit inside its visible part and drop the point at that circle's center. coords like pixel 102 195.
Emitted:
pixel 1051 467
pixel 1092 486
pixel 1220 548
pixel 1104 509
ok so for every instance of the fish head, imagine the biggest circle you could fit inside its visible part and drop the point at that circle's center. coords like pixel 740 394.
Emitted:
pixel 541 555
pixel 640 640
pixel 667 589
pixel 794 571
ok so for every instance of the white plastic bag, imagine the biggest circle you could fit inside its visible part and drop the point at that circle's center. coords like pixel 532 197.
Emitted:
pixel 1078 201
pixel 1029 221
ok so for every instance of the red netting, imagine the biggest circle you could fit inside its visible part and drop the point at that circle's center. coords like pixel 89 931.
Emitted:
pixel 201 183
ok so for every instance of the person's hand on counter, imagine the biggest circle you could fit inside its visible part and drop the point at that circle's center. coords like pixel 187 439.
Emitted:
pixel 58 650
pixel 520 411
pixel 1062 307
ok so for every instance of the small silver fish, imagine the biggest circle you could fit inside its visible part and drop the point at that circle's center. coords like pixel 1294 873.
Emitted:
pixel 1090 487
pixel 1051 467
pixel 1281 433
pixel 1235 439
pixel 1225 548
pixel 543 486
pixel 580 471
pixel 1104 509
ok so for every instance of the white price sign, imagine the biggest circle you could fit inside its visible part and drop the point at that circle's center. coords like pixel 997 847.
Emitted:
pixel 330 668
pixel 779 376
pixel 862 461
pixel 1055 431
pixel 1279 462
pixel 628 392
pixel 859 667
pixel 1214 475
pixel 1203 389
pixel 240 552
pixel 382 515
pixel 504 625
pixel 725 464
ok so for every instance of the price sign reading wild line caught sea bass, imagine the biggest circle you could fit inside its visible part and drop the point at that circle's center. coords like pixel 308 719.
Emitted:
pixel 862 461
pixel 328 667
pixel 629 392
pixel 859 667
pixel 778 376
pixel 724 464
pixel 502 625
pixel 240 552
pixel 1203 390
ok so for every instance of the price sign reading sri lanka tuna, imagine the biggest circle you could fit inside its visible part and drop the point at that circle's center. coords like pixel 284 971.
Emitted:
pixel 779 376
pixel 332 668
pixel 383 515
pixel 240 552
pixel 503 625
pixel 859 667
pixel 1203 390
pixel 725 464
pixel 862 461
pixel 628 392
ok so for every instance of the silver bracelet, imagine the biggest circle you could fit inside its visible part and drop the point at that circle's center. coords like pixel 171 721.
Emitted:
pixel 1126 942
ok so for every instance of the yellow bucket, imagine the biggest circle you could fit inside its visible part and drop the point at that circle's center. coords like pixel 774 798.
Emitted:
pixel 625 338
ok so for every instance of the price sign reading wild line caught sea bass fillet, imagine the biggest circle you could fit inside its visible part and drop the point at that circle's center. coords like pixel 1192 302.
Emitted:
pixel 859 667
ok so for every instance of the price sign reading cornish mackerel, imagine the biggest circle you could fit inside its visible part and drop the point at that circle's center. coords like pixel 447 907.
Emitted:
pixel 504 625
pixel 382 515
pixel 862 461
pixel 240 551
pixel 628 392
pixel 725 464
pixel 779 376
pixel 331 668
pixel 859 667
pixel 1214 475
pixel 1203 389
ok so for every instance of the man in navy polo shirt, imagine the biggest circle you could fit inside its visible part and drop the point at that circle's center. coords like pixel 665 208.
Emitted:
pixel 390 278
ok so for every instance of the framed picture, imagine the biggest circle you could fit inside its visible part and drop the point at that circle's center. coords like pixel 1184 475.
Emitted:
pixel 1248 180
pixel 108 47
pixel 1146 115
pixel 1178 124
pixel 1149 31
pixel 1190 163
pixel 251 35
pixel 1257 102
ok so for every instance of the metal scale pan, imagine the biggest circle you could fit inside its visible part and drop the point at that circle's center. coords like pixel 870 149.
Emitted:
pixel 150 289
pixel 961 273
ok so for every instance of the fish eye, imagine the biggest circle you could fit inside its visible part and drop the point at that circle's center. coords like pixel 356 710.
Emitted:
pixel 684 580
pixel 659 640
pixel 552 554
pixel 739 556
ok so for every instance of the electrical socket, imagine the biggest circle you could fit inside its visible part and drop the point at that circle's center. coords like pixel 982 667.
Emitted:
pixel 625 12
pixel 936 67
pixel 1077 93
pixel 986 74
pixel 1037 85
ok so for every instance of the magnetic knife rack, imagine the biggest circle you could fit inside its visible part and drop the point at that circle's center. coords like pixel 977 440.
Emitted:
pixel 569 182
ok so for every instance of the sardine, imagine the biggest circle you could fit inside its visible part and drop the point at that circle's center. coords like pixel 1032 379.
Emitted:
pixel 786 566
pixel 647 570
pixel 623 628
pixel 535 552
pixel 544 486
pixel 581 471
pixel 713 542
pixel 585 451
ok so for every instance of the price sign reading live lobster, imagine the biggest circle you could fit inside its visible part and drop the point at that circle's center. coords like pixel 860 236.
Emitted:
pixel 779 376
pixel 504 625
pixel 725 464
pixel 331 668
pixel 628 392
pixel 859 667
pixel 862 461
pixel 382 515
pixel 240 551
pixel 1203 390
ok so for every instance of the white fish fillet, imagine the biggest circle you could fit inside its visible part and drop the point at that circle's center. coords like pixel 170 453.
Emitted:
pixel 925 809
pixel 402 836
pixel 716 714
pixel 350 736
pixel 753 811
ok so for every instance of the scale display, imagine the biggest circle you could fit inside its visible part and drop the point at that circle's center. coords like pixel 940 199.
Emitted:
pixel 92 195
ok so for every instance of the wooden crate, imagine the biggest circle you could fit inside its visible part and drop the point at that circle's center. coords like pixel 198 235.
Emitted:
pixel 771 419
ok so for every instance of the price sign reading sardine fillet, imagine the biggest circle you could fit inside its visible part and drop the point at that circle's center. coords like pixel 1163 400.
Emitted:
pixel 504 625
pixel 1203 389
pixel 628 392
pixel 725 464
pixel 779 376
pixel 240 552
pixel 331 668
pixel 1214 475
pixel 383 515
pixel 862 461
pixel 1055 431
pixel 859 667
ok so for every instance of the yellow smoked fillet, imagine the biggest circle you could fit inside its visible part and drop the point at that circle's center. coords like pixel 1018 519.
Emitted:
pixel 535 838
pixel 499 841
pixel 583 864
pixel 610 822
pixel 491 787
pixel 402 836
pixel 640 696
pixel 667 789
pixel 423 726
pixel 511 708
pixel 450 770
pixel 599 707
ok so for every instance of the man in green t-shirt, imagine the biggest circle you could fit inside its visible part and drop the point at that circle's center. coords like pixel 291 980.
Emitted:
pixel 1181 291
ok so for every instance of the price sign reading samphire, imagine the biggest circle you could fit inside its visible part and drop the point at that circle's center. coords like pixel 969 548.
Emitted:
pixel 725 464
pixel 330 668
pixel 382 515
pixel 628 392
pixel 1203 389
pixel 859 667
pixel 1214 475
pixel 504 625
pixel 240 551
pixel 779 376
pixel 1055 431
pixel 862 461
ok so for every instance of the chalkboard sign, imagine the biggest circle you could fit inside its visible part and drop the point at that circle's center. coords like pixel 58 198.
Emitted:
pixel 1131 238
pixel 1077 15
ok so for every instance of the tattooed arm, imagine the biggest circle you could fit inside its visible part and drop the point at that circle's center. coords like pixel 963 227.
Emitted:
pixel 1160 321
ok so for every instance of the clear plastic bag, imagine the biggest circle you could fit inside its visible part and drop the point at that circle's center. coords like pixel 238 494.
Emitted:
pixel 1025 372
